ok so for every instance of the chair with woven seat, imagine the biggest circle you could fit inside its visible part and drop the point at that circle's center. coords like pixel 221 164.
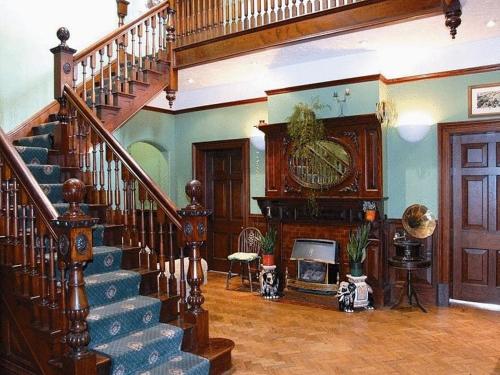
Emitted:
pixel 249 249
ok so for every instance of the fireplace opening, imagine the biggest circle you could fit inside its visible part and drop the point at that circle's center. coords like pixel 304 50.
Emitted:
pixel 317 266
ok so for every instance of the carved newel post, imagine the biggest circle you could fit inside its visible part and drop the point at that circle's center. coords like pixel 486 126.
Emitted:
pixel 75 248
pixel 122 11
pixel 194 229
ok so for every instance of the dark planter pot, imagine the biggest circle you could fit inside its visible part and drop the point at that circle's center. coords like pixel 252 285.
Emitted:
pixel 356 269
pixel 268 260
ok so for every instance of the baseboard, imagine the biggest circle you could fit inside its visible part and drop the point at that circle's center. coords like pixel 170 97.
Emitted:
pixel 443 294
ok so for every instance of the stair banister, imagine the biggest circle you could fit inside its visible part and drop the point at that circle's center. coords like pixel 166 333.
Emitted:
pixel 151 187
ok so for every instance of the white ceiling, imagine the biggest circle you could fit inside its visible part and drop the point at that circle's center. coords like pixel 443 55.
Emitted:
pixel 414 47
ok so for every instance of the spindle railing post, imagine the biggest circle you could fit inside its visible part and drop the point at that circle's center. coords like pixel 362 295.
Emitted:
pixel 75 248
pixel 122 11
pixel 194 230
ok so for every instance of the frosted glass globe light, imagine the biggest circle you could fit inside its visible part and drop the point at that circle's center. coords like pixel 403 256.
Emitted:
pixel 414 126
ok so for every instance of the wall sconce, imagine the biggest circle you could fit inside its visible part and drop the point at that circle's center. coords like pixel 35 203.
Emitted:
pixel 341 102
pixel 386 112
pixel 414 126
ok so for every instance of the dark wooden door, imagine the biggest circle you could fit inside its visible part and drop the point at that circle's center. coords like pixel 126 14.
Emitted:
pixel 225 179
pixel 476 223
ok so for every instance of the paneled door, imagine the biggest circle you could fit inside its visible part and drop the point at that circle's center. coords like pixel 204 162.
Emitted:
pixel 476 222
pixel 223 169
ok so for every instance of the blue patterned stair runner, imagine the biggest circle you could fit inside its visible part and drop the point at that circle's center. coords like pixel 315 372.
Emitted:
pixel 122 324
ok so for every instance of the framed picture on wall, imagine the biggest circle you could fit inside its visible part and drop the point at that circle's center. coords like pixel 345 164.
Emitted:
pixel 484 100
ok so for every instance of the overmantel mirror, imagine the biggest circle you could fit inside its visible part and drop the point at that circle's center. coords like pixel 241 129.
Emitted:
pixel 322 165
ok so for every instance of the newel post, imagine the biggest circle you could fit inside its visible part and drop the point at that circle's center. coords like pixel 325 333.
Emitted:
pixel 122 11
pixel 75 248
pixel 63 63
pixel 194 230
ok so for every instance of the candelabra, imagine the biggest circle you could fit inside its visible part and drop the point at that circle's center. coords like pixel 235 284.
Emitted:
pixel 343 101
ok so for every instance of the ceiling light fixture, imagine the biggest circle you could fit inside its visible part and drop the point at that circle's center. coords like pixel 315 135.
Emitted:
pixel 491 23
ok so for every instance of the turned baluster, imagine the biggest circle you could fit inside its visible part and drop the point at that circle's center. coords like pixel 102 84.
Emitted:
pixel 88 153
pixel 324 4
pixel 7 188
pixel 61 265
pixel 118 76
pixel 133 211
pixel 294 8
pixel 302 8
pixel 16 242
pixel 121 11
pixel 32 251
pixel 143 253
pixel 182 284
pixel 279 10
pixel 44 301
pixel 265 13
pixel 194 226
pixel 204 14
pixel 153 57
pixel 162 277
pixel 172 280
pixel 140 76
pixel 287 9
pixel 147 55
pixel 81 142
pixel 210 14
pixel 53 306
pixel 109 53
pixel 127 239
pixel 92 80
pixel 84 77
pixel 118 210
pixel 109 189
pixel 234 25
pixel 24 228
pixel 102 96
pixel 161 32
pixel 246 21
pixel 133 69
pixel 151 241
pixel 259 13
pixel 75 248
pixel 182 18
pixel 198 16
pixel 125 83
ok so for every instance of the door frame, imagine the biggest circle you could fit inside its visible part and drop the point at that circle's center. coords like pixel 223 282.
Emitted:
pixel 445 253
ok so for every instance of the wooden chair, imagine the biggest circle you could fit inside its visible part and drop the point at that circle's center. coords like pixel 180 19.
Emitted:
pixel 249 249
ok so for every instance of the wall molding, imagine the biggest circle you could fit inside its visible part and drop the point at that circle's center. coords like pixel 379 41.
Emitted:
pixel 338 82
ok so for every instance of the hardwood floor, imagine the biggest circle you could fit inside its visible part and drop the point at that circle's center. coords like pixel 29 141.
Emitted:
pixel 283 338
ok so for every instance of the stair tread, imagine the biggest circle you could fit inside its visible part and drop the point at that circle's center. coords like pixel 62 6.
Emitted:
pixel 42 140
pixel 109 287
pixel 179 363
pixel 45 128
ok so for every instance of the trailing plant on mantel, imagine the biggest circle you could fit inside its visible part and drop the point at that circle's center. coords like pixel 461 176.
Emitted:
pixel 305 130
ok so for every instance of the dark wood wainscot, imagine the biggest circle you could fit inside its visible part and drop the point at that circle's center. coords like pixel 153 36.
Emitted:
pixel 340 207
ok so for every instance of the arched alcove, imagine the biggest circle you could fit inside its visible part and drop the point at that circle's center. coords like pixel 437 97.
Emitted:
pixel 154 160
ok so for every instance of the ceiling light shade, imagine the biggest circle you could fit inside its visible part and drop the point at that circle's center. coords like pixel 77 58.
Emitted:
pixel 414 126
pixel 257 139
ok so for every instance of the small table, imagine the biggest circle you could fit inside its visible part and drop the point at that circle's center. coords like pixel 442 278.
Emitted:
pixel 409 266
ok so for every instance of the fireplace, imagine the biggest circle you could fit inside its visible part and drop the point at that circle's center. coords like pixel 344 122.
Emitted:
pixel 317 266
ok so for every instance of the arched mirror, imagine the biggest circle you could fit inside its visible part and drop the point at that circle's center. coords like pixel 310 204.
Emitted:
pixel 324 164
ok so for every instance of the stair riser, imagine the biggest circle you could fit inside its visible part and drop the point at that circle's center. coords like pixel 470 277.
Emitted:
pixel 130 259
pixel 149 283
pixel 113 236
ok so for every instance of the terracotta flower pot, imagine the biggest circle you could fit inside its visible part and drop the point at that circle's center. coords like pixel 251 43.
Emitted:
pixel 370 215
pixel 268 260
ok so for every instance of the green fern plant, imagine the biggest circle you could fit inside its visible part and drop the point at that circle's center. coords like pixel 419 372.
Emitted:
pixel 358 241
pixel 268 241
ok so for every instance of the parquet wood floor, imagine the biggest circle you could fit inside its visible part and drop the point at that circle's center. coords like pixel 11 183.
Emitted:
pixel 283 338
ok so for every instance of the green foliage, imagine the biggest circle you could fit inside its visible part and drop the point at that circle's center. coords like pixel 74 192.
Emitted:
pixel 356 248
pixel 304 128
pixel 268 241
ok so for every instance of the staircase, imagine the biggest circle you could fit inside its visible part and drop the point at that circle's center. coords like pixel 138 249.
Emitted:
pixel 83 262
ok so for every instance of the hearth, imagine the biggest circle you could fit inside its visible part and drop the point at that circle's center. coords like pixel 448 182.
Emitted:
pixel 317 266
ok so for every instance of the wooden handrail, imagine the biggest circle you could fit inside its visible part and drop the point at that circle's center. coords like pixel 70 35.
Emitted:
pixel 26 179
pixel 152 187
pixel 80 56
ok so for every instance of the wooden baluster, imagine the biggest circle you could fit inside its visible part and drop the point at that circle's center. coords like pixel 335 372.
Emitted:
pixel 7 188
pixel 162 277
pixel 151 240
pixel 220 16
pixel 53 306
pixel 75 77
pixel 61 265
pixel 324 4
pixel 287 10
pixel 239 15
pixel 88 151
pixel 16 242
pixel 125 83
pixel 312 6
pixel 118 76
pixel 204 14
pixel 118 213
pixel 246 21
pixel 161 33
pixel 109 190
pixel 272 17
pixel 32 251
pixel 133 70
pixel 182 284
pixel 109 51
pixel 302 8
pixel 198 16
pixel 84 77
pixel 102 93
pixel 147 55
pixel 194 222
pixel 24 228
pixel 181 30
pixel 234 26
pixel 210 14
pixel 172 280
pixel 127 239
pixel 95 168
pixel 102 189
pixel 75 248
pixel 279 11
pixel 143 255
pixel 294 8
pixel 92 81
pixel 133 211
pixel 154 55
pixel 259 13
pixel 251 21
pixel 265 13
pixel 140 76
pixel 44 301
pixel 81 142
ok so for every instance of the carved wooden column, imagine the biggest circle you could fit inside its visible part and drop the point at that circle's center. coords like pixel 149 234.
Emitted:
pixel 194 228
pixel 75 248
pixel 170 36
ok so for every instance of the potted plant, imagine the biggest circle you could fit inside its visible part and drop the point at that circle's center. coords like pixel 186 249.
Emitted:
pixel 268 241
pixel 370 209
pixel 356 249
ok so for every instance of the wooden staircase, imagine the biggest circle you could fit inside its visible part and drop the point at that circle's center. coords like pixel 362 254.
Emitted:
pixel 43 251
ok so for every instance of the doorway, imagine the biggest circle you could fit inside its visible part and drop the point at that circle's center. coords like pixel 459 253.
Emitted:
pixel 469 209
pixel 223 169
